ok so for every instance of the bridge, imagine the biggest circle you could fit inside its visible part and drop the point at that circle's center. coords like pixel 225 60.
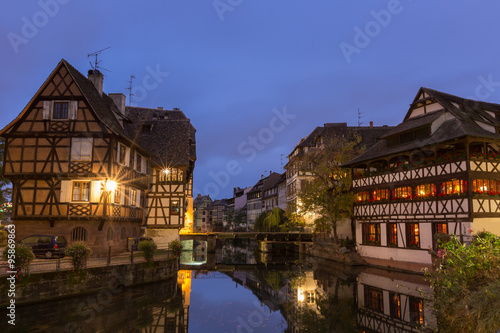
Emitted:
pixel 262 236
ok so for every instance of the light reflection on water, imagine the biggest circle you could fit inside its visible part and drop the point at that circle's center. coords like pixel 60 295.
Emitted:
pixel 238 289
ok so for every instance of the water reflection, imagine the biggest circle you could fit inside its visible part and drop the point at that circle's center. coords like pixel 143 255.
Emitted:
pixel 238 289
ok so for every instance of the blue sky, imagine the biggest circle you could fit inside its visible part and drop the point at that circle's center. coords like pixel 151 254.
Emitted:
pixel 256 76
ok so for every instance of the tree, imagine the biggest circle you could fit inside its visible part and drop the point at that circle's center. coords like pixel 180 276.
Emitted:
pixel 235 218
pixel 466 285
pixel 5 186
pixel 270 220
pixel 328 193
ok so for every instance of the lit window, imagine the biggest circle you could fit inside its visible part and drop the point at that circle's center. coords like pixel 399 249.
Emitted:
pixel 371 233
pixel 60 110
pixel 402 193
pixel 392 234
pixel 425 190
pixel 362 196
pixel 170 175
pixel 81 191
pixel 485 185
pixel 413 235
pixel 395 305
pixel 416 311
pixel 374 299
pixel 455 186
pixel 380 195
pixel 118 194
pixel 175 208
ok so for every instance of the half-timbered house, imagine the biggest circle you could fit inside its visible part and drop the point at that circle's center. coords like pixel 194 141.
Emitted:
pixel 438 172
pixel 77 169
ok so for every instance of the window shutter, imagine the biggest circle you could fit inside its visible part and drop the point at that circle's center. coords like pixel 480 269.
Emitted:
pixel 127 156
pixel 72 108
pixel 95 191
pixel 138 204
pixel 65 191
pixel 144 166
pixel 46 109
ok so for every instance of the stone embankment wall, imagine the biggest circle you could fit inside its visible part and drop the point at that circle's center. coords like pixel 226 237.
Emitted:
pixel 333 252
pixel 52 285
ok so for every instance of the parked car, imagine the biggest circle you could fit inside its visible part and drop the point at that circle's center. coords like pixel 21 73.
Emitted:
pixel 46 245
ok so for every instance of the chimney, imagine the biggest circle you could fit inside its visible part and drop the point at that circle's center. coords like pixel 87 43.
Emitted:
pixel 371 124
pixel 97 78
pixel 119 100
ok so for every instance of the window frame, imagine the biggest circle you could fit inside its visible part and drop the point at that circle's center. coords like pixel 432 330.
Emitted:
pixel 175 207
pixel 79 143
pixel 133 197
pixel 392 234
pixel 374 298
pixel 413 235
pixel 395 304
pixel 370 234
pixel 54 109
pixel 416 307
pixel 81 191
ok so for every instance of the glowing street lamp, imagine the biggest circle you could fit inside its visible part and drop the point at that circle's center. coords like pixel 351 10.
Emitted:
pixel 110 185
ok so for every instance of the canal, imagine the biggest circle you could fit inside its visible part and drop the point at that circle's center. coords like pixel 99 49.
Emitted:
pixel 238 289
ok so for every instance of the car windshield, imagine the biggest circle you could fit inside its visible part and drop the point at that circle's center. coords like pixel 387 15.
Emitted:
pixel 29 240
pixel 61 239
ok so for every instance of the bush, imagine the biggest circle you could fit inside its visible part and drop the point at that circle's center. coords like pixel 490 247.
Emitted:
pixel 23 255
pixel 149 248
pixel 79 253
pixel 466 287
pixel 176 247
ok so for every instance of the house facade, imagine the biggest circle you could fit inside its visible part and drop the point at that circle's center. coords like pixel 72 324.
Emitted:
pixel 199 213
pixel 435 173
pixel 78 169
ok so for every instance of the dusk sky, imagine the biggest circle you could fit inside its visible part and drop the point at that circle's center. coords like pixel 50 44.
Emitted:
pixel 256 76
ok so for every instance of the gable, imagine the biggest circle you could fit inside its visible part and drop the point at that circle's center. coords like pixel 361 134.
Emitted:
pixel 423 104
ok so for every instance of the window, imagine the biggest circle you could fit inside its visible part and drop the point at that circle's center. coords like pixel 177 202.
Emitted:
pixel 455 186
pixel 374 299
pixel 310 297
pixel 392 234
pixel 175 208
pixel 380 195
pixel 402 193
pixel 485 185
pixel 425 190
pixel 170 175
pixel 60 110
pixel 133 197
pixel 81 149
pixel 79 234
pixel 109 235
pixel 81 191
pixel 416 310
pixel 138 162
pixel 395 305
pixel 413 235
pixel 438 228
pixel 362 196
pixel 122 154
pixel 118 194
pixel 371 233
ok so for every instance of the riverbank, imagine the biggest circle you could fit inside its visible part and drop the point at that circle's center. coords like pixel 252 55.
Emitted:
pixel 106 280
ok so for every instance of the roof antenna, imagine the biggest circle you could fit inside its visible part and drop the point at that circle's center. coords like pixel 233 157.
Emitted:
pixel 130 90
pixel 95 65
pixel 359 118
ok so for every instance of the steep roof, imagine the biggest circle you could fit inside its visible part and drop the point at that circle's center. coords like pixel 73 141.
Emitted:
pixel 170 136
pixel 464 115
pixel 200 199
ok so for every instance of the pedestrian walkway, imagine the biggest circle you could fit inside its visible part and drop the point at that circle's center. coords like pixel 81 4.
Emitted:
pixel 39 265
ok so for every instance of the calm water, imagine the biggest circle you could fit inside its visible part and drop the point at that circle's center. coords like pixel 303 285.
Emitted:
pixel 238 289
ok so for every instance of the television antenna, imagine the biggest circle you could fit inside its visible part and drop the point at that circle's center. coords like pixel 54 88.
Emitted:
pixel 359 118
pixel 95 65
pixel 130 94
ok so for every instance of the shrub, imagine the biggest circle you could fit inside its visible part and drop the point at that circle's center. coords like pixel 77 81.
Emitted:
pixel 176 247
pixel 149 248
pixel 466 285
pixel 79 253
pixel 3 235
pixel 23 255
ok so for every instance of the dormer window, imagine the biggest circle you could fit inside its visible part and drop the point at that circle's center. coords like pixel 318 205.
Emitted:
pixel 146 128
pixel 60 110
